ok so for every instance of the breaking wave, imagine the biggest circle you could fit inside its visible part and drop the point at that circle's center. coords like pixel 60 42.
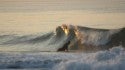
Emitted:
pixel 81 38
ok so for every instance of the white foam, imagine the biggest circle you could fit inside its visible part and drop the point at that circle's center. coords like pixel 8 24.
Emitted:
pixel 113 59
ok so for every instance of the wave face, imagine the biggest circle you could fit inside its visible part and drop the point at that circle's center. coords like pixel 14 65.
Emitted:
pixel 81 38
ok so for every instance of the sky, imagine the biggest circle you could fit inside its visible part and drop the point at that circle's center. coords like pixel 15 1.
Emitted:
pixel 34 16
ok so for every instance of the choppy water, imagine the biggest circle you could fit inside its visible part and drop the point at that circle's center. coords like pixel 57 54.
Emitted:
pixel 114 59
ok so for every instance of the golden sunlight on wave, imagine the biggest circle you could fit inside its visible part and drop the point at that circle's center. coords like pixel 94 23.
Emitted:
pixel 65 29
pixel 78 33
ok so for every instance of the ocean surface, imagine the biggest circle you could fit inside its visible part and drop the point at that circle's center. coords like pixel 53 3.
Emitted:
pixel 90 49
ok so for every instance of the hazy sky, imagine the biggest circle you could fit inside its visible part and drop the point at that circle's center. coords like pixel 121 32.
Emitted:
pixel 54 5
pixel 31 16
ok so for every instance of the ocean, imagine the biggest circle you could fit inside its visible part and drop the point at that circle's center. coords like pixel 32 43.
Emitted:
pixel 89 49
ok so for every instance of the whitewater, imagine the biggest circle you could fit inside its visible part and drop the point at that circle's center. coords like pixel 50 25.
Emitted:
pixel 89 49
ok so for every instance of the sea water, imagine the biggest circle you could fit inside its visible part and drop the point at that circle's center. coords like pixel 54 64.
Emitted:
pixel 39 52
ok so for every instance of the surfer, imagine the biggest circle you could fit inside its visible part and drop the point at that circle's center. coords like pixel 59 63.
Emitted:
pixel 65 47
